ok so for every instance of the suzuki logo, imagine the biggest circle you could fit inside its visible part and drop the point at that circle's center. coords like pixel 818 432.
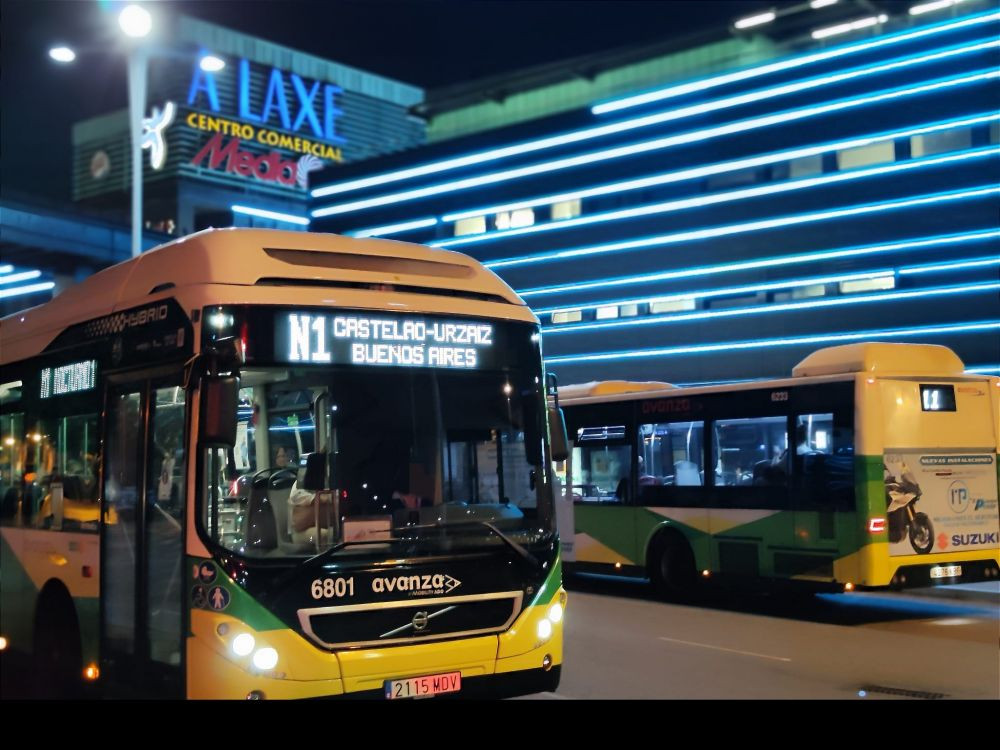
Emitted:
pixel 420 621
pixel 942 540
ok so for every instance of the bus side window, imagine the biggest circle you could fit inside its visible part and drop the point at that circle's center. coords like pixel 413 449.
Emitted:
pixel 751 452
pixel 824 456
pixel 671 457
pixel 602 461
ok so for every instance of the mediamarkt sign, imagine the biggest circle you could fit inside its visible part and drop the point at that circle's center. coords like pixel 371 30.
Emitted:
pixel 307 110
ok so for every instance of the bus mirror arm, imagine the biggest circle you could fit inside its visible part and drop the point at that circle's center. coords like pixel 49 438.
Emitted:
pixel 557 422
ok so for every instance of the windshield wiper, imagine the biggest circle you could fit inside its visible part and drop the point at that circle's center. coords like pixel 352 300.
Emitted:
pixel 518 548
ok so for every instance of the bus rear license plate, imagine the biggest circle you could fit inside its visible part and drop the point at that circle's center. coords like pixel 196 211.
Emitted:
pixel 424 687
pixel 946 571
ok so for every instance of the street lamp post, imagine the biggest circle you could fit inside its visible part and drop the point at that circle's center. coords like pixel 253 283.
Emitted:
pixel 136 22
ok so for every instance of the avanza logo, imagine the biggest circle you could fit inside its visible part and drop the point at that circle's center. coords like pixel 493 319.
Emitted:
pixel 120 321
pixel 436 583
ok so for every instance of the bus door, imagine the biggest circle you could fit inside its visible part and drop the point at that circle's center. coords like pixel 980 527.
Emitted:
pixel 142 545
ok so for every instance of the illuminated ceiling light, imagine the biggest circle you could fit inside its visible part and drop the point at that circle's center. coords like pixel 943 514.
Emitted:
pixel 843 28
pixel 62 54
pixel 695 136
pixel 135 21
pixel 721 167
pixel 773 307
pixel 989 325
pixel 817 4
pixel 275 215
pixel 758 20
pixel 750 226
pixel 700 86
pixel 23 276
pixel 30 289
pixel 919 10
pixel 405 226
pixel 211 63
pixel 817 256
pixel 716 198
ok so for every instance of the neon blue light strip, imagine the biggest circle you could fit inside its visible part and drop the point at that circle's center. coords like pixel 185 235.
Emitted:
pixel 264 214
pixel 704 84
pixel 772 308
pixel 973 263
pixel 725 291
pixel 525 147
pixel 721 167
pixel 774 343
pixel 24 276
pixel 750 226
pixel 656 144
pixel 6 269
pixel 30 289
pixel 984 369
pixel 848 252
pixel 723 197
pixel 405 226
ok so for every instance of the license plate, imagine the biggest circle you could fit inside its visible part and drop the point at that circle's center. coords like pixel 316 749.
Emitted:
pixel 946 571
pixel 423 687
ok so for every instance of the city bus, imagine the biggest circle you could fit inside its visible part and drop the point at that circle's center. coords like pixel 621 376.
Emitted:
pixel 263 464
pixel 874 465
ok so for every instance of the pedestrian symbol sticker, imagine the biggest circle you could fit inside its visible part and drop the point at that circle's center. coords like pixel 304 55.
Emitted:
pixel 218 598
pixel 206 572
pixel 199 599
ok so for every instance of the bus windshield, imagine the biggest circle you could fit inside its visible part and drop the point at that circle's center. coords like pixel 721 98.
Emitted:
pixel 413 457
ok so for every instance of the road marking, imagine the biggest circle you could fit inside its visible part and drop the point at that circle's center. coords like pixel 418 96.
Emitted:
pixel 730 650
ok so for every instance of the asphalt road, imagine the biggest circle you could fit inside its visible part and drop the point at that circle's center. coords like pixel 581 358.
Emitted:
pixel 622 642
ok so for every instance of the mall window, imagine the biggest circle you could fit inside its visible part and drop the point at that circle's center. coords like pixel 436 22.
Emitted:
pixel 863 156
pixel 628 311
pixel 867 285
pixel 522 217
pixel 566 209
pixel 805 166
pixel 941 142
pixel 671 305
pixel 607 313
pixel 567 316
pixel 470 225
pixel 995 132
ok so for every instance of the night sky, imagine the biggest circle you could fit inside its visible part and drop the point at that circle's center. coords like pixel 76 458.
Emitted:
pixel 427 43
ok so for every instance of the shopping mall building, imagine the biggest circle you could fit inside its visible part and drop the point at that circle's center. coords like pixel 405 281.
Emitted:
pixel 710 208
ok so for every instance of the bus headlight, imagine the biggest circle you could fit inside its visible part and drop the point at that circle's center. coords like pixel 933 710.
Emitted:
pixel 265 659
pixel 243 644
pixel 555 613
pixel 544 629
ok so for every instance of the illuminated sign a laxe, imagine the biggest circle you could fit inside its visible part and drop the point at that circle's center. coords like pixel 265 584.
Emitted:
pixel 379 340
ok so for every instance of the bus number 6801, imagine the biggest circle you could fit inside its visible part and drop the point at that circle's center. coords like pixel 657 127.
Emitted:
pixel 330 588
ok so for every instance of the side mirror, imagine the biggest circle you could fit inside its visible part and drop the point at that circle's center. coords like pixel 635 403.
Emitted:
pixel 557 434
pixel 314 471
pixel 219 399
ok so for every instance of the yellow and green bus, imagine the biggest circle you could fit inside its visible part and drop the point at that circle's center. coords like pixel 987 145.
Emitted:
pixel 874 465
pixel 265 464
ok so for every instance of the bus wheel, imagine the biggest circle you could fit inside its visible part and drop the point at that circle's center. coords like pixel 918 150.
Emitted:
pixel 921 533
pixel 672 568
pixel 57 653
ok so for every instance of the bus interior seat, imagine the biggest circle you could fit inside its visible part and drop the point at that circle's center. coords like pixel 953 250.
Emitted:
pixel 261 532
pixel 686 474
pixel 279 487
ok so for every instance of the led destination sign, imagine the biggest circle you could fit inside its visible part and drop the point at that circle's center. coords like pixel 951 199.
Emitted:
pixel 383 341
pixel 57 381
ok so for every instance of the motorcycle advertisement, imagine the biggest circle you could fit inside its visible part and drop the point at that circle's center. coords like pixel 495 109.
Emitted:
pixel 941 502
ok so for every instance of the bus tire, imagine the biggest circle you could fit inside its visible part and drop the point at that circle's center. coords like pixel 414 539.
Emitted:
pixel 671 566
pixel 921 533
pixel 57 652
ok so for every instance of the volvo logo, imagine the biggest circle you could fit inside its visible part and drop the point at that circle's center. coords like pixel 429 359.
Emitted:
pixel 420 621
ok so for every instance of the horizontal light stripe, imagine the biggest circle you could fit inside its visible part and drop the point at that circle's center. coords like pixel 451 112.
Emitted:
pixel 776 307
pixel 974 263
pixel 30 289
pixel 726 291
pixel 658 143
pixel 727 196
pixel 6 269
pixel 822 255
pixel 991 325
pixel 405 226
pixel 265 214
pixel 22 276
pixel 705 84
pixel 984 369
pixel 843 28
pixel 722 167
pixel 750 226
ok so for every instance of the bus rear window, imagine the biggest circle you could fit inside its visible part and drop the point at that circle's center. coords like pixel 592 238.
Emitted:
pixel 937 397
